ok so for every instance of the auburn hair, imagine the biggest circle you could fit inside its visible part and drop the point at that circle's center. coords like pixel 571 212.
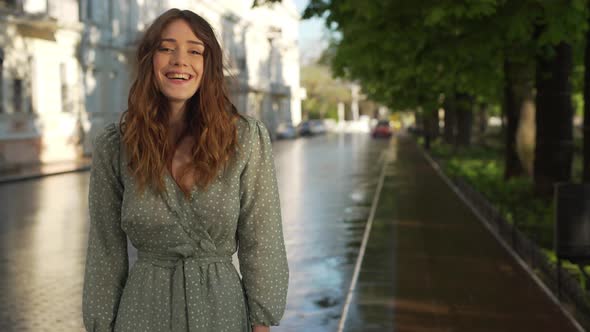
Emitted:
pixel 210 116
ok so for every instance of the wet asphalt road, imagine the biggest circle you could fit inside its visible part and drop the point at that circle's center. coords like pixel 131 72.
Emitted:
pixel 326 186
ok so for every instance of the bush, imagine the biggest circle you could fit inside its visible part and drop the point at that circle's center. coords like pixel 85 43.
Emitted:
pixel 483 169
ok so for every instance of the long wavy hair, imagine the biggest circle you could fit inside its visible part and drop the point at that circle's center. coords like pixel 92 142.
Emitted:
pixel 210 116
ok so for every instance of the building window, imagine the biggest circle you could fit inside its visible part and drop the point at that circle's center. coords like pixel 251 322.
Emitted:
pixel 29 86
pixel 89 14
pixel 242 63
pixel 65 93
pixel 1 80
pixel 18 95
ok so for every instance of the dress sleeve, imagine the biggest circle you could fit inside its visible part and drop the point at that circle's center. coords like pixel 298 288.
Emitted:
pixel 106 259
pixel 262 255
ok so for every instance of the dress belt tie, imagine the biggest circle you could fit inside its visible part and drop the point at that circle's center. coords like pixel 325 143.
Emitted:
pixel 179 321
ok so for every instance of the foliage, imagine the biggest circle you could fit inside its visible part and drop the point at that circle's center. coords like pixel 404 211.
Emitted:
pixel 483 169
pixel 407 54
pixel 257 3
pixel 323 92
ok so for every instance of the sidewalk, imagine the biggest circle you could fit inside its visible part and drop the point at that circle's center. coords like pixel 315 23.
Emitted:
pixel 37 171
pixel 431 265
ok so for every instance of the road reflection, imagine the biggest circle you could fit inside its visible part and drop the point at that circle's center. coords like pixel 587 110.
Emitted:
pixel 326 185
pixel 43 232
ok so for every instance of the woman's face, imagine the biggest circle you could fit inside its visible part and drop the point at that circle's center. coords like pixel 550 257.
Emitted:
pixel 178 62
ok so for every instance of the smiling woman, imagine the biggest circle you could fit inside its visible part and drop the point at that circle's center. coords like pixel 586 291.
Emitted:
pixel 167 116
pixel 189 181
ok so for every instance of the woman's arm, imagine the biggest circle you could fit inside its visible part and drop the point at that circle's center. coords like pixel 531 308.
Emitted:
pixel 261 252
pixel 106 259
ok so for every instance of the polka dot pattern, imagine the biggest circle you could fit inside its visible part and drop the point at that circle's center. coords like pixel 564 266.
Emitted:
pixel 183 279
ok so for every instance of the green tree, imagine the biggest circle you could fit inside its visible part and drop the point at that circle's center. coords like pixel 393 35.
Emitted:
pixel 264 2
pixel 586 162
pixel 557 29
pixel 407 54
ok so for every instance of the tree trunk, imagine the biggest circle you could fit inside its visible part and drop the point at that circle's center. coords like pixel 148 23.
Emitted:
pixel 586 163
pixel 554 136
pixel 482 120
pixel 427 132
pixel 418 116
pixel 464 109
pixel 511 110
pixel 450 120
pixel 435 132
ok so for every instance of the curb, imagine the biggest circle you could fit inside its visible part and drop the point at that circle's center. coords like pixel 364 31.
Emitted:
pixel 366 234
pixel 5 179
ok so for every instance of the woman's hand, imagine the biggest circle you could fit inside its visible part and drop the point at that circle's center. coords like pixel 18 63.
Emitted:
pixel 260 328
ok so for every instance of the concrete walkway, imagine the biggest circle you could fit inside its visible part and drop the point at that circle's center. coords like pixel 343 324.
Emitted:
pixel 431 265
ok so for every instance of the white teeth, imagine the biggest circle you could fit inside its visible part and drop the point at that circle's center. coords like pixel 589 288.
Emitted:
pixel 177 75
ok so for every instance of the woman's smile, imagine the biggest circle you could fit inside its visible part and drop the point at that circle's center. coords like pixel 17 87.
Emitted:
pixel 179 78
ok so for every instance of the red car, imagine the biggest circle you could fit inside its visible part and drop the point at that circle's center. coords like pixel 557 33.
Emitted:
pixel 382 130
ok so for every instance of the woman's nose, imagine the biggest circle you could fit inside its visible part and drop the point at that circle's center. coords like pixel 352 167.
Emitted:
pixel 178 58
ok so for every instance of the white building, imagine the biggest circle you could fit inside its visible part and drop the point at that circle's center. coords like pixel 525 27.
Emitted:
pixel 66 67
pixel 39 86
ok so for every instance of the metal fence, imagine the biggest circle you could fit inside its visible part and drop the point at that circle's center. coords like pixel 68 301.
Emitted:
pixel 567 290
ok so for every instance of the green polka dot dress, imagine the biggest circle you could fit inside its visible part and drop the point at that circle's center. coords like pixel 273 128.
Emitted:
pixel 184 279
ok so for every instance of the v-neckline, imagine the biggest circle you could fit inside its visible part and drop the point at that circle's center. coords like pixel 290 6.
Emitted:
pixel 176 185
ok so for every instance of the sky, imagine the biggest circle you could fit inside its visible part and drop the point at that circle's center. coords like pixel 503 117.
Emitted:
pixel 311 35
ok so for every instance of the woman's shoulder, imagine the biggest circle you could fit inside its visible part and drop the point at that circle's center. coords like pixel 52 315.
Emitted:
pixel 108 139
pixel 246 122
pixel 252 134
pixel 250 127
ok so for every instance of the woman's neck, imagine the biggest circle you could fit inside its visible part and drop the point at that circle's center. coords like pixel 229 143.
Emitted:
pixel 176 121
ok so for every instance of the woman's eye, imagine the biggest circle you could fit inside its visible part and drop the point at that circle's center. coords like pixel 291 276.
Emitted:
pixel 165 49
pixel 196 52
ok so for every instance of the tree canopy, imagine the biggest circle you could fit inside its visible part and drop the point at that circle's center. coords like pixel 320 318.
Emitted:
pixel 406 54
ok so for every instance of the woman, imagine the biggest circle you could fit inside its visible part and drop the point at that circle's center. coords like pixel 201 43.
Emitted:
pixel 189 181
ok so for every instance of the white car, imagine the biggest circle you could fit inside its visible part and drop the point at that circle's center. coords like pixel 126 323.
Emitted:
pixel 286 131
pixel 317 127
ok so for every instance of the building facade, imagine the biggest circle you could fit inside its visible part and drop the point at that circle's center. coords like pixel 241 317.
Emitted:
pixel 66 67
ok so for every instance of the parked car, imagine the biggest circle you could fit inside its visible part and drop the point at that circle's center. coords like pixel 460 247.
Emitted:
pixel 311 128
pixel 286 131
pixel 304 128
pixel 382 130
pixel 318 127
